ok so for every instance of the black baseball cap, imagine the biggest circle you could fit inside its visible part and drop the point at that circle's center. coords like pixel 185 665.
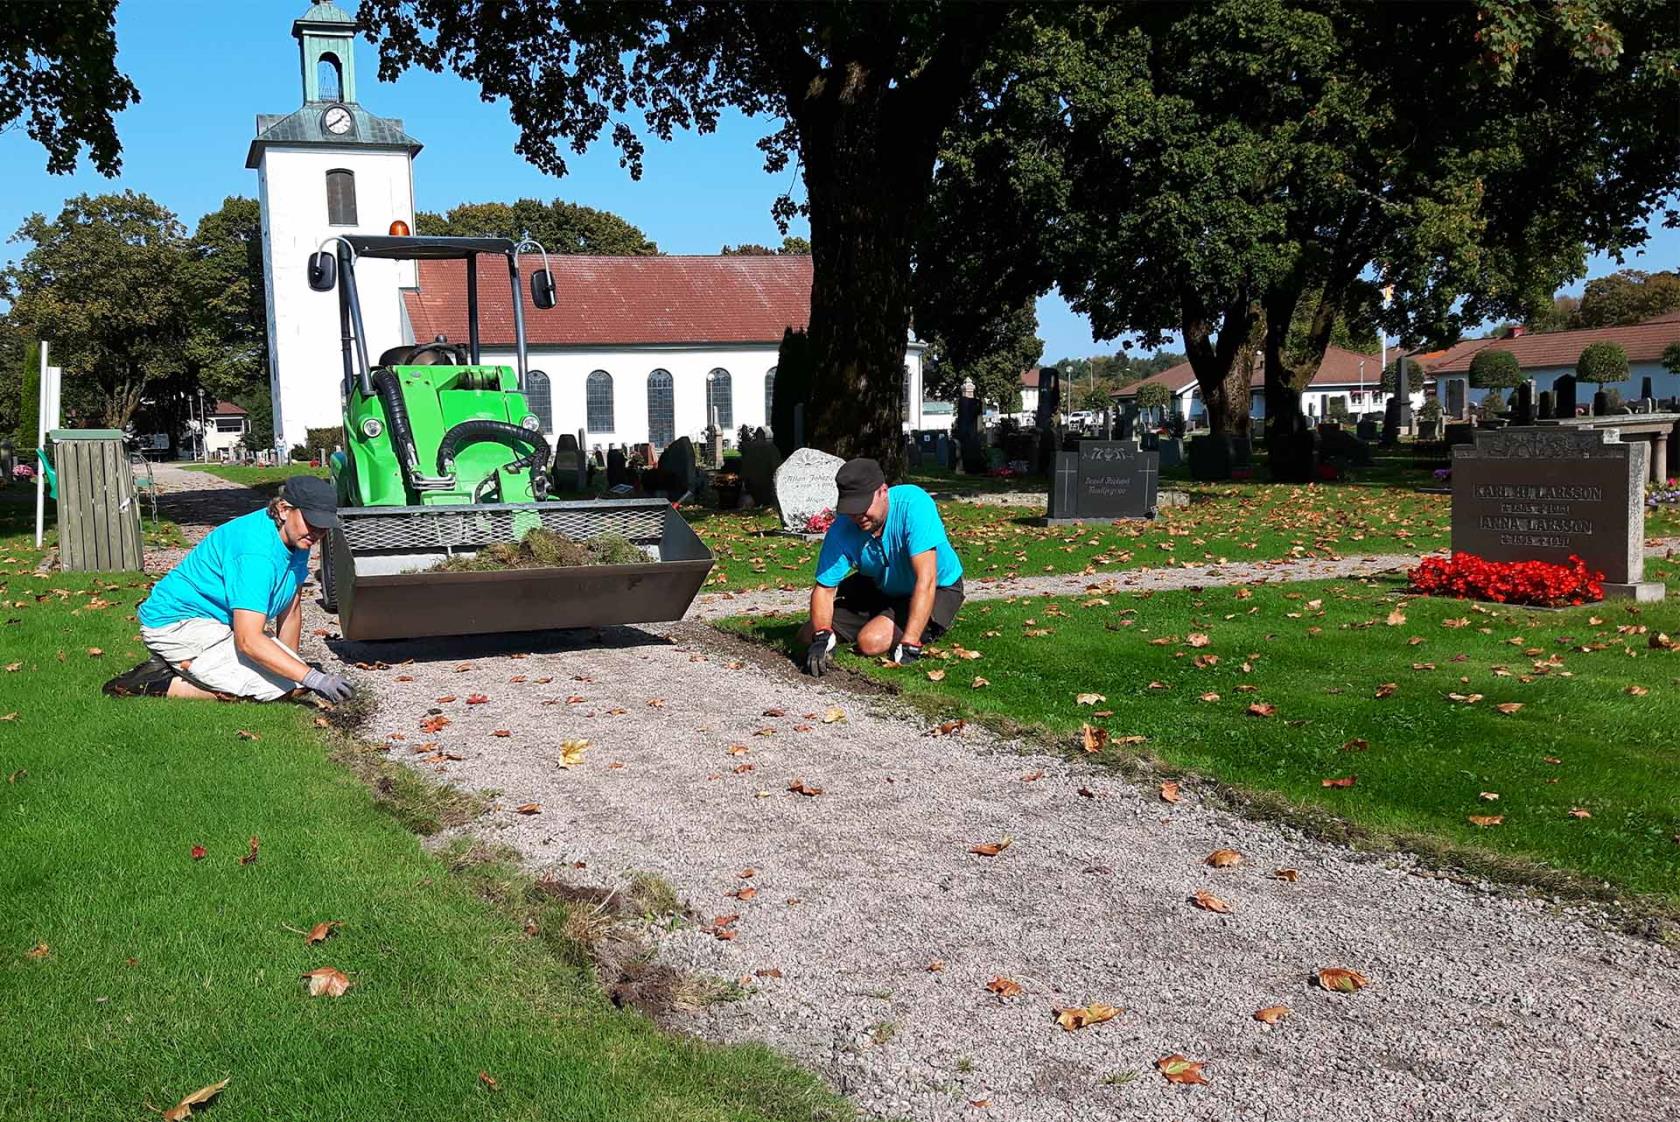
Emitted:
pixel 315 497
pixel 858 481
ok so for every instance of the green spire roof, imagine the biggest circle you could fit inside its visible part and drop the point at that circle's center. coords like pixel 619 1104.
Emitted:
pixel 326 12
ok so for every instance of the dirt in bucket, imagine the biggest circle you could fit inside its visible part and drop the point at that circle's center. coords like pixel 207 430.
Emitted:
pixel 545 549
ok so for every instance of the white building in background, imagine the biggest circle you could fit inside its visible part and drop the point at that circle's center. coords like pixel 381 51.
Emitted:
pixel 1353 377
pixel 637 349
pixel 225 427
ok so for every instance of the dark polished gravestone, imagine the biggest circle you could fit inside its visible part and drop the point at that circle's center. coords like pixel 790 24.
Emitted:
pixel 1104 480
pixel 1544 494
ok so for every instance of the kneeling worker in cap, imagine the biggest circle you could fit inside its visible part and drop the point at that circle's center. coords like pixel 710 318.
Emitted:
pixel 205 621
pixel 887 578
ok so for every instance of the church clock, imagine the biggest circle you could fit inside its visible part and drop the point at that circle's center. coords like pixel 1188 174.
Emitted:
pixel 337 120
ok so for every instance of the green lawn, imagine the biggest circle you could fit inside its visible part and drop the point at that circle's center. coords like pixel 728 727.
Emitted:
pixel 264 479
pixel 1182 669
pixel 161 974
pixel 1224 522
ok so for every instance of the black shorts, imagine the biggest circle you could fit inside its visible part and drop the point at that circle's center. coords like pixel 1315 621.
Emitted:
pixel 859 600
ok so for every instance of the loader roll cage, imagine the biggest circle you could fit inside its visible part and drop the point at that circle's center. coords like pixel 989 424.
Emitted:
pixel 353 339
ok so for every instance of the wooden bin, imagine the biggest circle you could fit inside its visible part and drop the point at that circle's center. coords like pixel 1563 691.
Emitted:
pixel 98 514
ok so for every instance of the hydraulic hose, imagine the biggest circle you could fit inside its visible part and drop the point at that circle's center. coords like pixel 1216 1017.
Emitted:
pixel 385 384
pixel 499 432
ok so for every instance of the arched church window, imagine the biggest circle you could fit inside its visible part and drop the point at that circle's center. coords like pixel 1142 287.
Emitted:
pixel 598 396
pixel 539 396
pixel 720 395
pixel 341 197
pixel 662 409
pixel 329 78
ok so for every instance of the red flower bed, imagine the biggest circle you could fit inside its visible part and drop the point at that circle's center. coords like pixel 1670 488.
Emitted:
pixel 1541 583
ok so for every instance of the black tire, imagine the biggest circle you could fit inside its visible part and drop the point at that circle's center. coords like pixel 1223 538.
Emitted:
pixel 329 584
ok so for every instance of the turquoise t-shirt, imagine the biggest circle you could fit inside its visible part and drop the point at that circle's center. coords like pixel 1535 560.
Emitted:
pixel 240 564
pixel 913 527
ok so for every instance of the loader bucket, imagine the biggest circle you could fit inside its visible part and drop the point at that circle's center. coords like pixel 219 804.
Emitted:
pixel 379 555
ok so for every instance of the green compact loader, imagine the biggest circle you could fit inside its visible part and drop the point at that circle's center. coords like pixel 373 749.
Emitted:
pixel 443 457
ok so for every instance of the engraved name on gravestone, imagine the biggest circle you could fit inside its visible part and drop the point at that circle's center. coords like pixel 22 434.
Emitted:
pixel 805 486
pixel 1545 494
pixel 1105 479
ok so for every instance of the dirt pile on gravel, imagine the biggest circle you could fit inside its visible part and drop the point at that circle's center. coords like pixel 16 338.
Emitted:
pixel 545 549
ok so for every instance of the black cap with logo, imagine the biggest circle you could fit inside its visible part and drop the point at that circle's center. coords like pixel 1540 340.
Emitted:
pixel 314 496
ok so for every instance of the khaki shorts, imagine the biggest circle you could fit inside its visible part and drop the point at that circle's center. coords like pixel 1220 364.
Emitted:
pixel 217 664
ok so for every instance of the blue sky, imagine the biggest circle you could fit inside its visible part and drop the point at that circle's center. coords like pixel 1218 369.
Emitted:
pixel 206 68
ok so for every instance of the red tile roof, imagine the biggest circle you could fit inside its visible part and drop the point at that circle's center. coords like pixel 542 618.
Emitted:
pixel 1643 342
pixel 228 409
pixel 1029 378
pixel 1339 368
pixel 611 301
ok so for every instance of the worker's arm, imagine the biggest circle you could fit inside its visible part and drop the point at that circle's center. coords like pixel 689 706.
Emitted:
pixel 289 627
pixel 822 608
pixel 926 566
pixel 252 643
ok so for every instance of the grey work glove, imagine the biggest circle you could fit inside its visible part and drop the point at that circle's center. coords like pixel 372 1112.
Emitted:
pixel 333 687
pixel 819 656
pixel 906 653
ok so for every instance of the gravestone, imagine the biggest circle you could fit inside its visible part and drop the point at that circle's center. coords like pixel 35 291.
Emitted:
pixel 1339 444
pixel 968 434
pixel 805 486
pixel 1403 391
pixel 1391 423
pixel 944 452
pixel 1548 406
pixel 1546 493
pixel 1170 449
pixel 1455 399
pixel 1366 429
pixel 1523 413
pixel 1102 481
pixel 616 474
pixel 568 462
pixel 1564 388
pixel 759 460
pixel 913 452
pixel 1211 457
pixel 679 474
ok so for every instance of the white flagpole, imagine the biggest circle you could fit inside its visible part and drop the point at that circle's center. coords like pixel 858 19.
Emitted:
pixel 41 442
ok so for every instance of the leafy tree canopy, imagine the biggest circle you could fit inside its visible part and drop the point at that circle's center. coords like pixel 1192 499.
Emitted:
pixel 1671 358
pixel 58 73
pixel 1627 297
pixel 994 354
pixel 1153 396
pixel 790 245
pixel 1602 362
pixel 560 226
pixel 1492 369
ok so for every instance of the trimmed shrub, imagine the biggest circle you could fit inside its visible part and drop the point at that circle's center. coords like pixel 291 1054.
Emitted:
pixel 326 441
pixel 1495 370
pixel 1494 403
pixel 1153 395
pixel 1602 362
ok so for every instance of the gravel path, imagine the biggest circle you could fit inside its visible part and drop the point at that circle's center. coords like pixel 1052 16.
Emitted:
pixel 1479 1006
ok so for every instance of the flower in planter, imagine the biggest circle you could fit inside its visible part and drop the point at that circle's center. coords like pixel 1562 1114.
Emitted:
pixel 1539 583
pixel 1443 474
pixel 819 522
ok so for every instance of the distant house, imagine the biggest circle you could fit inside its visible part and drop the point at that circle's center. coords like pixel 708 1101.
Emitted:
pixel 225 427
pixel 1354 377
pixel 1545 357
pixel 1029 389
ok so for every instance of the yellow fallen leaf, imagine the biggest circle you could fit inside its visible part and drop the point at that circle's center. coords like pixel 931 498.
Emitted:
pixel 571 752
pixel 834 713
pixel 1090 698
pixel 182 1110
pixel 1083 1016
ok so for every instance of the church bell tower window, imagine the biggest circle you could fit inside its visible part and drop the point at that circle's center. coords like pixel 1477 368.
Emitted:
pixel 341 197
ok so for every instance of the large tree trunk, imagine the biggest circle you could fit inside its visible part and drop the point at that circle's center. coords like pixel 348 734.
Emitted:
pixel 1289 438
pixel 1221 372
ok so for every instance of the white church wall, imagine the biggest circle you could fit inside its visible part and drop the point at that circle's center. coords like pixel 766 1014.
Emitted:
pixel 303 325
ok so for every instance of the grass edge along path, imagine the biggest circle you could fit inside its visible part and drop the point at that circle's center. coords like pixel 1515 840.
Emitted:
pixel 145 971
pixel 1424 763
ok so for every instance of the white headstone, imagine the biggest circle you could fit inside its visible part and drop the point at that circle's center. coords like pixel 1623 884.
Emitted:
pixel 805 486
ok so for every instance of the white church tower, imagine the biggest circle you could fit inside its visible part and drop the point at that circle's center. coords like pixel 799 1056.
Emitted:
pixel 328 168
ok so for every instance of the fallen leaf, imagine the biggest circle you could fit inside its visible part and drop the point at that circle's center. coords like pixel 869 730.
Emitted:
pixel 1387 689
pixel 1338 979
pixel 1271 1014
pixel 1465 698
pixel 1004 987
pixel 992 849
pixel 1083 1016
pixel 978 684
pixel 834 714
pixel 1197 639
pixel 1262 709
pixel 1209 902
pixel 327 981
pixel 936 675
pixel 197 852
pixel 94 652
pixel 1178 1069
pixel 1339 781
pixel 1033 776
pixel 1169 792
pixel 1224 858
pixel 1159 686
pixel 485 1078
pixel 1636 691
pixel 1580 812
pixel 571 752
pixel 321 931
pixel 528 808
pixel 1490 796
pixel 1128 741
pixel 1290 875
pixel 39 950
pixel 770 972
pixel 1485 820
pixel 1093 738
pixel 1357 744
pixel 1509 707
pixel 182 1110
pixel 1395 618
pixel 776 711
pixel 746 892
pixel 13 667
pixel 800 787
pixel 476 699
pixel 935 966
pixel 502 733
pixel 1657 642
pixel 250 857
pixel 1090 698
pixel 1210 696
pixel 434 724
